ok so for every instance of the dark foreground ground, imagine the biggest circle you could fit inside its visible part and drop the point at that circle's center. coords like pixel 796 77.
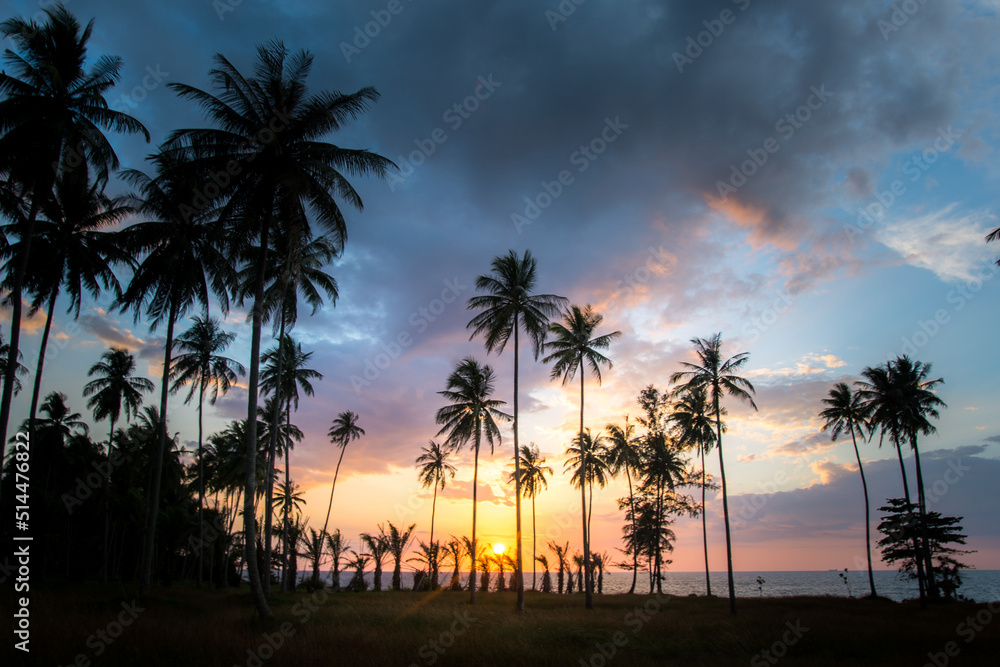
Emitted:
pixel 190 628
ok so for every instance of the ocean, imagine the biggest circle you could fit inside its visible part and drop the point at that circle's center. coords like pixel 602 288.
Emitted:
pixel 977 585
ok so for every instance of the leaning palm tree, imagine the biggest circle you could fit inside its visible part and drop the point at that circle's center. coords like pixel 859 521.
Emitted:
pixel 344 429
pixel 573 345
pixel 52 114
pixel 508 307
pixel 116 387
pixel 471 415
pixel 434 470
pixel 183 267
pixel 532 470
pixel 200 363
pixel 847 414
pixel 272 130
pixel 718 376
pixel 693 426
pixel 623 454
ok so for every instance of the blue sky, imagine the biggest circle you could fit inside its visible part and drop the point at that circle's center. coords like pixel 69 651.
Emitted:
pixel 823 109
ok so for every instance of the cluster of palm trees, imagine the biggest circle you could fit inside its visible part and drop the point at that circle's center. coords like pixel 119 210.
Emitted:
pixel 245 209
pixel 895 399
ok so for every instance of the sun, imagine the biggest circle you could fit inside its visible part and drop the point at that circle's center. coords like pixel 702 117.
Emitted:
pixel 499 548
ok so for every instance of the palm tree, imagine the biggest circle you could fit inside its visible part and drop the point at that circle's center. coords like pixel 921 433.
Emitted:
pixel 115 387
pixel 338 546
pixel 718 377
pixel 693 426
pixel 588 459
pixel 343 430
pixel 454 548
pixel 396 541
pixel 847 413
pixel 60 419
pixel 434 471
pixel 270 128
pixel 508 306
pixel 183 266
pixel 471 415
pixel 52 112
pixel 284 368
pixel 573 345
pixel 623 454
pixel 532 470
pixel 378 549
pixel 898 398
pixel 200 363
pixel 561 552
pixel 994 236
pixel 21 370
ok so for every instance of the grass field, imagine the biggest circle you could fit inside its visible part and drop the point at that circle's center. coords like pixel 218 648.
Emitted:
pixel 190 628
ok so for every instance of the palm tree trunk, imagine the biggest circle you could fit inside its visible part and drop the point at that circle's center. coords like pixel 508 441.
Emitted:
pixel 433 564
pixel 704 524
pixel 725 503
pixel 657 549
pixel 868 527
pixel 153 500
pixel 635 549
pixel 272 446
pixel 583 503
pixel 921 580
pixel 201 481
pixel 475 482
pixel 107 505
pixel 343 448
pixel 37 388
pixel 533 544
pixel 249 517
pixel 518 576
pixel 286 548
pixel 929 572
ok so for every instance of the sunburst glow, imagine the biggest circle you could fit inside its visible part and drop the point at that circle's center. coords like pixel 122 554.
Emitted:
pixel 499 548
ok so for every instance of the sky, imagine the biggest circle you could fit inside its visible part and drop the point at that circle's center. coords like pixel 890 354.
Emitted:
pixel 814 181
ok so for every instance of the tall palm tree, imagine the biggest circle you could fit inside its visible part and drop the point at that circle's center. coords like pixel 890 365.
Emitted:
pixel 623 454
pixel 508 306
pixel 183 266
pixel 471 416
pixel 589 460
pixel 52 112
pixel 200 364
pixel 434 469
pixel 718 376
pixel 343 430
pixel 532 470
pixel 573 345
pixel 847 414
pixel 693 426
pixel 272 130
pixel 116 387
pixel 72 249
pixel 284 372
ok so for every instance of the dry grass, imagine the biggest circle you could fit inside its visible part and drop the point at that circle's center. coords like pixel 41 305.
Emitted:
pixel 191 628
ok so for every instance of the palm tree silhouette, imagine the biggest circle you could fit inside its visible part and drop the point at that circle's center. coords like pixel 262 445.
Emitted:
pixel 116 387
pixel 574 344
pixel 378 549
pixel 200 363
pixel 623 454
pixel 532 470
pixel 589 460
pixel 272 129
pixel 53 112
pixel 847 414
pixel 508 307
pixel 471 415
pixel 693 426
pixel 396 541
pixel 434 470
pixel 561 552
pixel 718 377
pixel 343 430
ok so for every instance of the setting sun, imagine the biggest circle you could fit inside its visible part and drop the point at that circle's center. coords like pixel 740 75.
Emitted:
pixel 499 548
